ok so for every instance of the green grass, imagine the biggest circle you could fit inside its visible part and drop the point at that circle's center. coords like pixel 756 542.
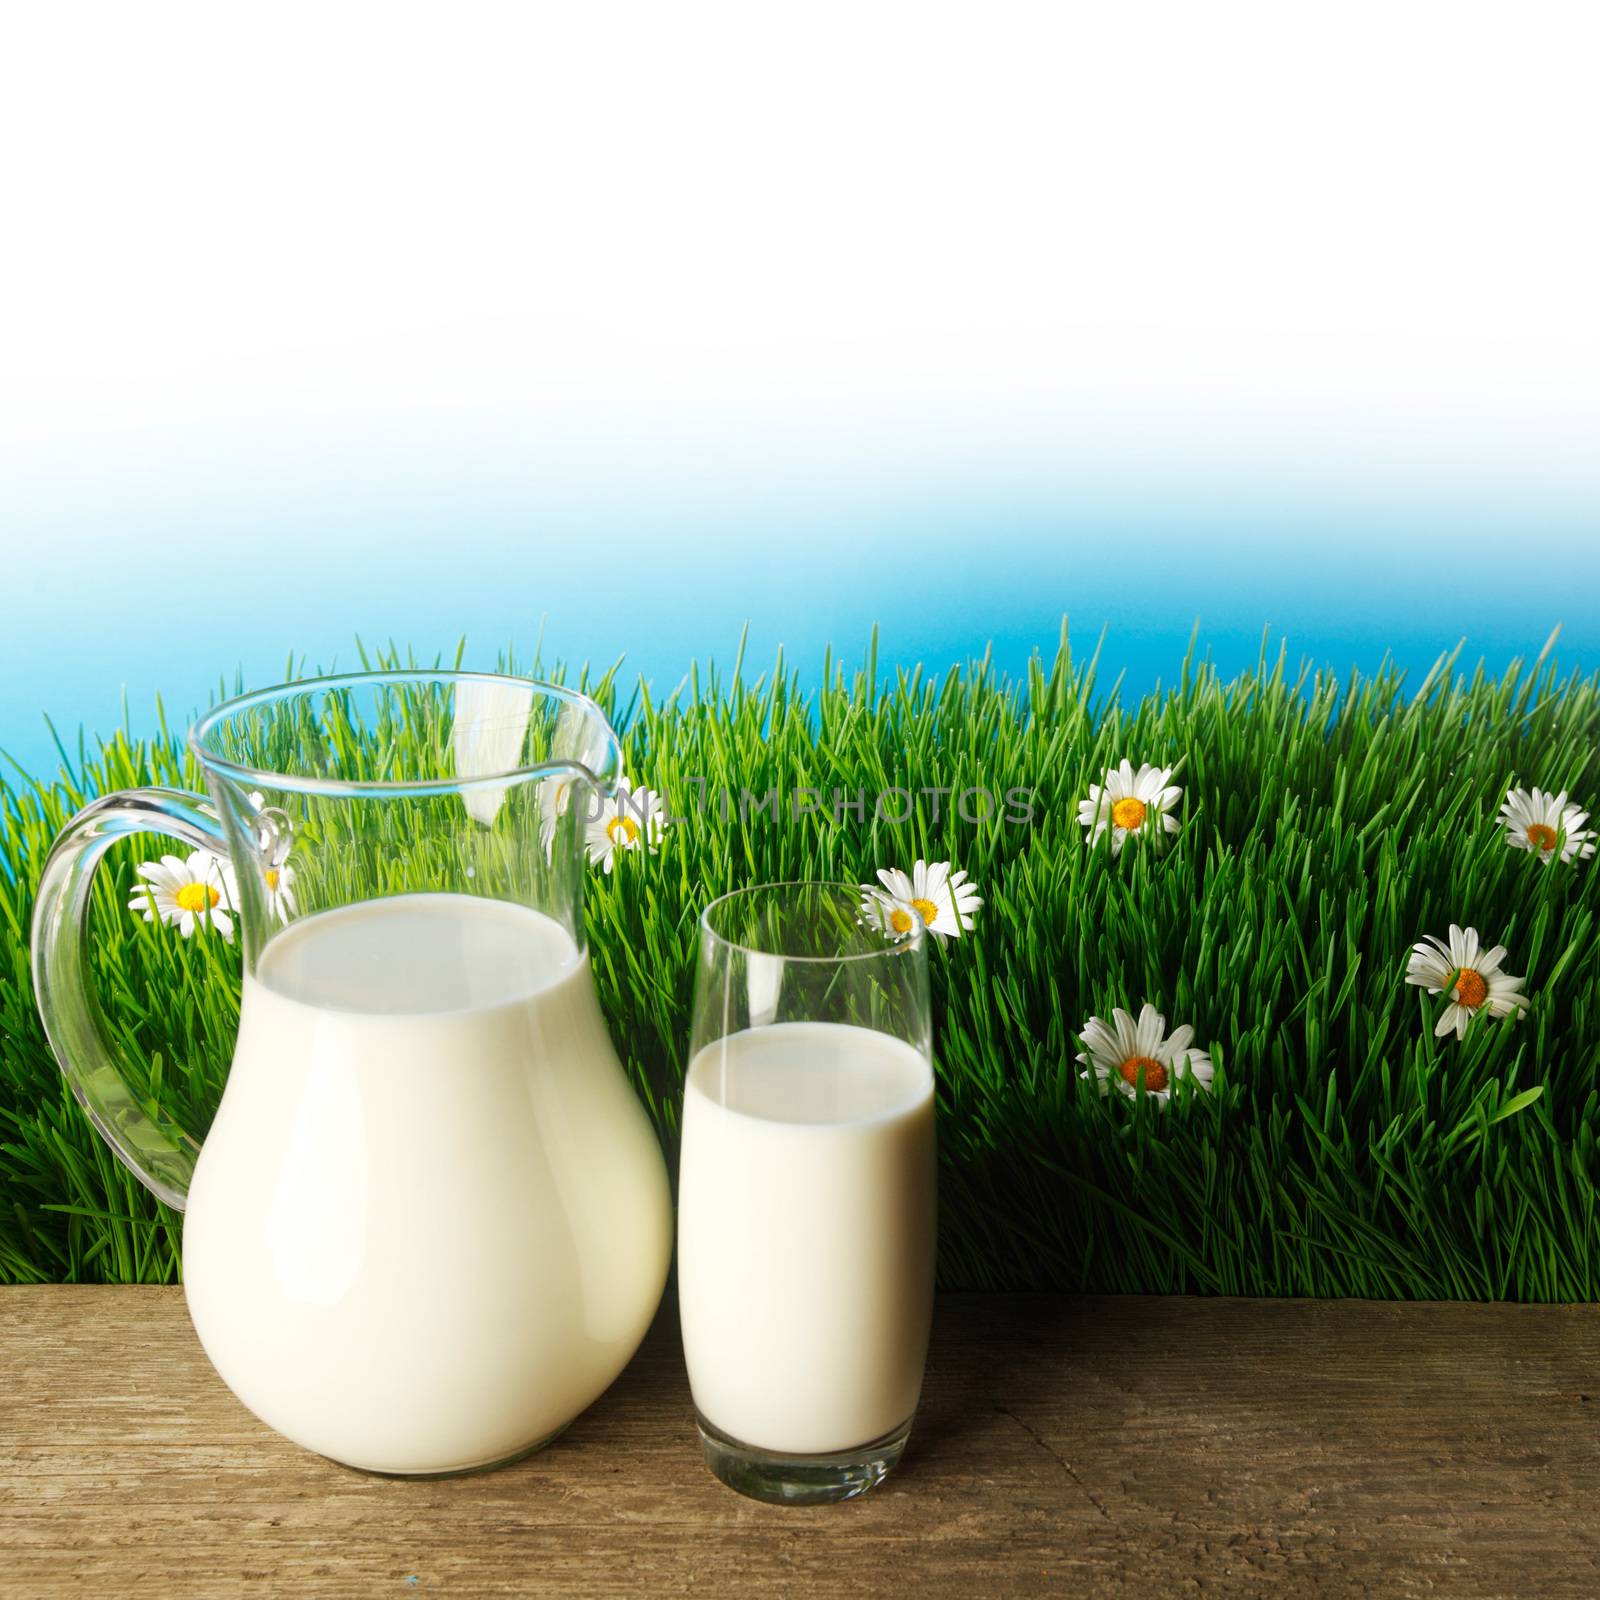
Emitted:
pixel 1327 825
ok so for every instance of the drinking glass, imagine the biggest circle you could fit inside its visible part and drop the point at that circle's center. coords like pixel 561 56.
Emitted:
pixel 806 1214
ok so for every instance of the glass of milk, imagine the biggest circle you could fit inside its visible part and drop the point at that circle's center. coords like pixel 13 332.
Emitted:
pixel 430 1220
pixel 806 1208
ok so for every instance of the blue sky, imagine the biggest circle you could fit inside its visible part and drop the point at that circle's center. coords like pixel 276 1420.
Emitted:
pixel 665 584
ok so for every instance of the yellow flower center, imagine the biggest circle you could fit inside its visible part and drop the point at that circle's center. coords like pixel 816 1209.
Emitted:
pixel 272 879
pixel 622 831
pixel 900 920
pixel 927 910
pixel 196 897
pixel 1155 1075
pixel 1541 836
pixel 1471 990
pixel 1128 813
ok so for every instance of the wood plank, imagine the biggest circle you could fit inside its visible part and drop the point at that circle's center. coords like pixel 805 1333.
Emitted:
pixel 1119 1446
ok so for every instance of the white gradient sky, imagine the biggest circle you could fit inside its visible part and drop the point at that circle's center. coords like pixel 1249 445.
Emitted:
pixel 735 276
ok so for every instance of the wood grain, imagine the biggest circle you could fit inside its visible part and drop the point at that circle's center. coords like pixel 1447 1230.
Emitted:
pixel 1127 1447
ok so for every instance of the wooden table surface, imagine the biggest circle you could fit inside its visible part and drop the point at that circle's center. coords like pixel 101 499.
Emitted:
pixel 1129 1446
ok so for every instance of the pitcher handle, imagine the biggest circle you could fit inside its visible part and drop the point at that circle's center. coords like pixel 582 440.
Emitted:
pixel 159 1153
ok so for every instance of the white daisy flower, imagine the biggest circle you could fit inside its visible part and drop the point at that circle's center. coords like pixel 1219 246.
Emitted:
pixel 189 893
pixel 1470 974
pixel 274 832
pixel 279 881
pixel 554 797
pixel 1123 1053
pixel 1539 822
pixel 1130 802
pixel 630 819
pixel 946 902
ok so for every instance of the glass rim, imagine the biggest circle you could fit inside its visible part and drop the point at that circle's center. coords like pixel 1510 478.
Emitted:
pixel 915 938
pixel 214 760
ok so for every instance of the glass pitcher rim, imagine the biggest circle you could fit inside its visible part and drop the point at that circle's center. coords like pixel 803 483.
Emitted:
pixel 307 783
pixel 914 938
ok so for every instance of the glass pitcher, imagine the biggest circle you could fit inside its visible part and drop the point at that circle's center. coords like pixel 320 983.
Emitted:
pixel 431 1221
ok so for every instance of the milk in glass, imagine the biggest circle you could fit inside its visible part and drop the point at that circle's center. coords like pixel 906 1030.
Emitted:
pixel 806 1233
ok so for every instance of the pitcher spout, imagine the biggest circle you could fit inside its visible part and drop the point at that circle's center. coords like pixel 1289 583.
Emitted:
pixel 497 743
